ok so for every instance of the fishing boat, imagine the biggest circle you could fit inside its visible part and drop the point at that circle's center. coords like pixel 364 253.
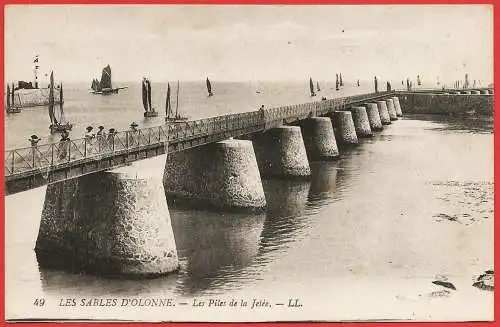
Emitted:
pixel 340 80
pixel 337 82
pixel 11 108
pixel 311 87
pixel 317 87
pixel 169 115
pixel 57 125
pixel 419 82
pixel 209 88
pixel 149 111
pixel 104 86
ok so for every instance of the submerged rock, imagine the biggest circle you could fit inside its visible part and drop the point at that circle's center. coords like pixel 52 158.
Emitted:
pixel 444 284
pixel 486 281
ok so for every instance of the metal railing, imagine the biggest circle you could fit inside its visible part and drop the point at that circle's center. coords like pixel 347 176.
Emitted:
pixel 47 157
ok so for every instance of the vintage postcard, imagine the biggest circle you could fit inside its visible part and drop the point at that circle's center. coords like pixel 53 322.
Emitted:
pixel 248 163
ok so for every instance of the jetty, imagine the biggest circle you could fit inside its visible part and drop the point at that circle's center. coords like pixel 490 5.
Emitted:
pixel 218 161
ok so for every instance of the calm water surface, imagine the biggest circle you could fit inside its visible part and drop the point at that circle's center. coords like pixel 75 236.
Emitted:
pixel 363 239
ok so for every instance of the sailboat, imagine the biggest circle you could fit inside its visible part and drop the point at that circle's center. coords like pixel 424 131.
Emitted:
pixel 419 82
pixel 336 82
pixel 317 87
pixel 311 87
pixel 149 111
pixel 209 88
pixel 55 125
pixel 104 86
pixel 340 80
pixel 169 115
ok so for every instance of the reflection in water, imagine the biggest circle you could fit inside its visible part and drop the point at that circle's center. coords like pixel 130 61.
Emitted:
pixel 213 248
pixel 57 282
pixel 286 204
pixel 467 124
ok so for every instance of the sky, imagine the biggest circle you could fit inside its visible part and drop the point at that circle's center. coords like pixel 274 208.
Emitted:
pixel 250 42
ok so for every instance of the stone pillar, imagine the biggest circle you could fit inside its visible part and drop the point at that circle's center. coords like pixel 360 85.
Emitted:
pixel 484 91
pixel 361 122
pixel 374 117
pixel 397 106
pixel 222 175
pixel 475 92
pixel 384 112
pixel 281 153
pixel 343 124
pixel 319 138
pixel 391 109
pixel 108 223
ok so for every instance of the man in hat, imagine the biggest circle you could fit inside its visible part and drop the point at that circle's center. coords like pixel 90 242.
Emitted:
pixel 34 140
pixel 133 137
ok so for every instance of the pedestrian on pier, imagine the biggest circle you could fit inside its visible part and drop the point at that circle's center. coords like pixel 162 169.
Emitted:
pixel 110 139
pixel 34 149
pixel 101 139
pixel 133 135
pixel 64 144
pixel 89 140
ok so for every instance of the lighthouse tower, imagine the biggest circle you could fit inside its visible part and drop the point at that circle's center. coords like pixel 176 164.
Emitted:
pixel 35 72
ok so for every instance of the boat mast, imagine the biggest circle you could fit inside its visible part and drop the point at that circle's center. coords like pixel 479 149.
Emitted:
pixel 177 102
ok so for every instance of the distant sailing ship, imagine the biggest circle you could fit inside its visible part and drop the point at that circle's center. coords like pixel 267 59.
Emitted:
pixel 104 86
pixel 419 82
pixel 317 87
pixel 169 115
pixel 149 111
pixel 61 125
pixel 209 88
pixel 311 87
pixel 337 82
pixel 340 80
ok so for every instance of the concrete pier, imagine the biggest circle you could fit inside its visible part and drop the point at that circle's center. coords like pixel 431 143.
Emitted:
pixel 281 153
pixel 384 112
pixel 109 223
pixel 319 138
pixel 343 124
pixel 222 175
pixel 374 117
pixel 361 122
pixel 397 106
pixel 391 109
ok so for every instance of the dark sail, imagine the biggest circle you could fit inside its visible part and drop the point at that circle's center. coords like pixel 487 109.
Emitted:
pixel 8 96
pixel 149 94
pixel 61 101
pixel 105 82
pixel 53 119
pixel 418 80
pixel 337 82
pixel 209 88
pixel 95 85
pixel 317 87
pixel 145 95
pixel 340 80
pixel 376 84
pixel 12 95
pixel 311 86
pixel 168 106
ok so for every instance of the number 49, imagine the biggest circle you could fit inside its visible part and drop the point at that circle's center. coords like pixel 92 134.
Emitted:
pixel 39 302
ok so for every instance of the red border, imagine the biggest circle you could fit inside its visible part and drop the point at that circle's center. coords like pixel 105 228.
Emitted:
pixel 292 2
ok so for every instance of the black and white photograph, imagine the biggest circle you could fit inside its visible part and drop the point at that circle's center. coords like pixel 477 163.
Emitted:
pixel 248 163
